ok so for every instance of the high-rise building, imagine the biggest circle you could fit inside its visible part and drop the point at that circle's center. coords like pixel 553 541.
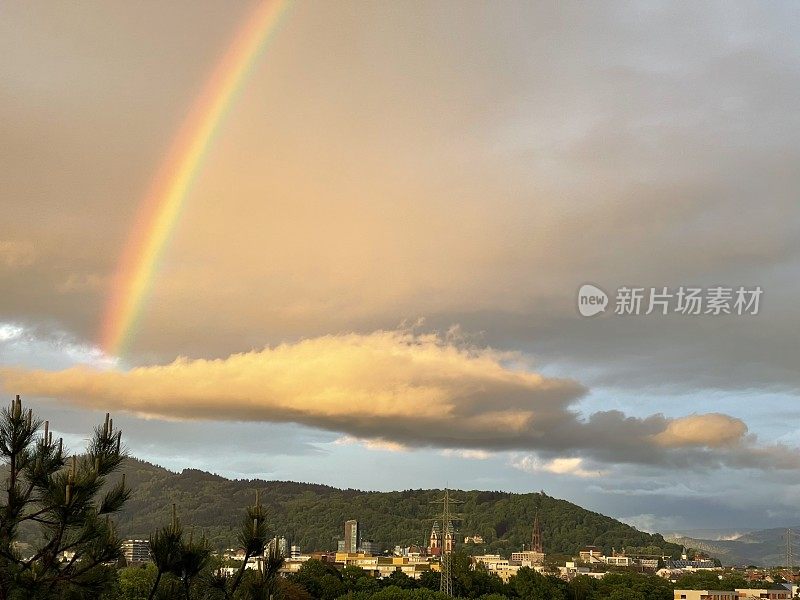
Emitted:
pixel 279 546
pixel 352 536
pixel 136 551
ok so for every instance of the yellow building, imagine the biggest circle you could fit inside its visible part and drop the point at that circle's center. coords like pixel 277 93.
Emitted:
pixel 773 594
pixel 705 595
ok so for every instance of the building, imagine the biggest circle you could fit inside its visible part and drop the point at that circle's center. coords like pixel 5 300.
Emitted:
pixel 294 551
pixel 370 547
pixel 527 558
pixel 413 567
pixel 236 554
pixel 474 539
pixel 435 542
pixel 136 551
pixel 692 565
pixel 441 541
pixel 591 555
pixel 571 570
pixel 279 546
pixel 352 537
pixel 771 594
pixel 384 566
pixel 649 563
pixel 534 556
pixel 497 565
pixel 293 564
pixel 705 595
pixel 536 536
pixel 618 561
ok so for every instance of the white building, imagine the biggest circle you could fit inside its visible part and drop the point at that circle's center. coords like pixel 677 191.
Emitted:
pixel 617 561
pixel 136 551
pixel 571 570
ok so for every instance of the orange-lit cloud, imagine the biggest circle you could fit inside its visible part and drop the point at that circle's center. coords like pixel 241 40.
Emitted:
pixel 396 390
pixel 711 429
pixel 353 383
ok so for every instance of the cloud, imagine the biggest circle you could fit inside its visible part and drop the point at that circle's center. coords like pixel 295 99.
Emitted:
pixel 16 254
pixel 9 332
pixel 651 523
pixel 468 454
pixel 371 444
pixel 33 347
pixel 558 466
pixel 692 129
pixel 702 430
pixel 407 389
pixel 76 283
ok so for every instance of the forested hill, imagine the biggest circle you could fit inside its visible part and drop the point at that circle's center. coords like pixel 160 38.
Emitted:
pixel 313 515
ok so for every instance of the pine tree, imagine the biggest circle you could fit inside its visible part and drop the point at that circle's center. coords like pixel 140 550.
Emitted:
pixel 187 563
pixel 69 499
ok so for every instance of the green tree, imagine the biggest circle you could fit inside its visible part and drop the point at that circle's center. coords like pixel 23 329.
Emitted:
pixel 701 580
pixel 351 575
pixel 188 562
pixel 165 551
pixel 430 580
pixel 582 587
pixel 70 501
pixel 530 585
pixel 321 580
pixel 136 582
pixel 650 587
pixel 621 593
pixel 401 580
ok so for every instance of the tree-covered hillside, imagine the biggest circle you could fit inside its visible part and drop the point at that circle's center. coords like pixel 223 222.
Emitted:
pixel 313 515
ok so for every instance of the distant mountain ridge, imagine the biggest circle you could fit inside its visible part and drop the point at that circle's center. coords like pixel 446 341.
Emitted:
pixel 312 515
pixel 764 547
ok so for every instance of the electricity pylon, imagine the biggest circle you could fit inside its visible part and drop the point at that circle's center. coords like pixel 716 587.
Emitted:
pixel 448 516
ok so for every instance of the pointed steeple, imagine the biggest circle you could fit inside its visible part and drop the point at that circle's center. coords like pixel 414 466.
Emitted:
pixel 536 535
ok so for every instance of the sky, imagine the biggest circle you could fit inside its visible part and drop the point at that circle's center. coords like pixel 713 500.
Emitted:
pixel 373 279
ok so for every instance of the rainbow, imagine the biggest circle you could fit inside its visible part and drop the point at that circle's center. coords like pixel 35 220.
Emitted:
pixel 161 208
